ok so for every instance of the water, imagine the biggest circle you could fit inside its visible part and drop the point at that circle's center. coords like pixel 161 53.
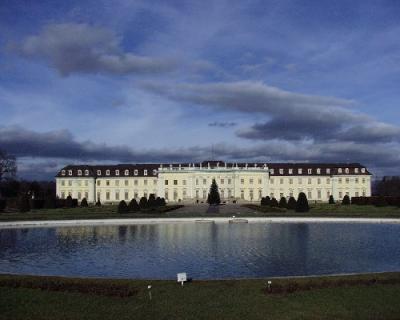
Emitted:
pixel 204 251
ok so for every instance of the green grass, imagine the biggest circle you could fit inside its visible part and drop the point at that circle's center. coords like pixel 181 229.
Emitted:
pixel 230 299
pixel 336 210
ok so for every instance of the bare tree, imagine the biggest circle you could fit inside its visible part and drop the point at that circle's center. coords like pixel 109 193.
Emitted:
pixel 8 165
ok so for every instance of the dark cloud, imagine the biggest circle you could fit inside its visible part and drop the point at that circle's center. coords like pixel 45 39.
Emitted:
pixel 80 48
pixel 222 124
pixel 290 116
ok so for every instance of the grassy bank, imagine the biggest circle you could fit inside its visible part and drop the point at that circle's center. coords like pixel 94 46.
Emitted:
pixel 333 210
pixel 350 298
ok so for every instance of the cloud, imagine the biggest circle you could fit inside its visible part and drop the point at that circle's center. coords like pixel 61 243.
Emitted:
pixel 290 115
pixel 81 48
pixel 222 124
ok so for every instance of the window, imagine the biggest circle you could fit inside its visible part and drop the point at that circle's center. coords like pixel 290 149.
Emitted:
pixel 145 194
pixel 319 180
pixel 98 196
pixel 86 195
pixel 328 171
pixel 117 195
pixel 108 195
pixel 145 172
pixel 62 182
pixel 222 181
pixel 136 194
pixel 363 170
pixel 309 195
pixel 166 194
pixel 259 181
pixel 135 182
pixel 309 171
pixel 175 182
pixel 280 171
pixel 117 172
pixel 62 195
pixel 145 182
pixel 79 182
pixel 328 180
pixel 281 181
pixel 300 181
pixel 300 171
pixel 271 171
pixel 347 180
pixel 135 172
pixel 126 195
pixel 98 182
pixel 229 181
pixel 290 181
pixel 271 180
pixel 99 172
pixel 340 170
pixel 290 171
pixel 281 195
pixel 251 181
pixel 127 172
pixel 197 182
pixel 242 181
pixel 318 171
pixel 117 183
pixel 70 172
pixel 363 180
pixel 319 194
pixel 184 182
pixel 355 170
pixel 251 194
pixel 126 182
pixel 166 182
pixel 347 170
pixel 184 193
pixel 309 181
pixel 107 172
pixel 229 193
pixel 197 194
pixel 204 181
pixel 241 194
pixel 340 194
pixel 107 182
pixel 259 194
pixel 154 172
pixel 86 183
pixel 79 172
pixel 155 182
pixel 70 183
pixel 63 172
pixel 356 194
pixel 204 194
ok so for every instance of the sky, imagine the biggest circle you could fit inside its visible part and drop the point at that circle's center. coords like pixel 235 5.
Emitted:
pixel 171 81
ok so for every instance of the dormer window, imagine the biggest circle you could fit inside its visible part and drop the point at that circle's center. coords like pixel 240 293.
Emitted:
pixel 99 172
pixel 135 172
pixel 300 171
pixel 340 170
pixel 107 172
pixel 346 170
pixel 63 172
pixel 280 171
pixel 290 171
pixel 117 172
pixel 127 172
pixel 79 172
pixel 318 171
pixel 355 170
pixel 70 172
pixel 145 172
pixel 86 172
pixel 328 171
pixel 271 171
pixel 363 170
pixel 309 171
pixel 154 172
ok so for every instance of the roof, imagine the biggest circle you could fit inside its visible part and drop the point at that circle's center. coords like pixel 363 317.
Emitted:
pixel 151 169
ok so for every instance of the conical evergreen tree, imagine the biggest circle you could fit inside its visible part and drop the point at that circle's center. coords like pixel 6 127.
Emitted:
pixel 143 203
pixel 84 203
pixel 151 203
pixel 213 196
pixel 292 203
pixel 302 203
pixel 133 206
pixel 331 199
pixel 346 200
pixel 122 207
pixel 274 203
pixel 283 203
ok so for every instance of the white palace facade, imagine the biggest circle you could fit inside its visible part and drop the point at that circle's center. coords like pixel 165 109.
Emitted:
pixel 190 182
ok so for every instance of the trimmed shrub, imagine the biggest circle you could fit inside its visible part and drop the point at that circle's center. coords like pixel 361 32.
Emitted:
pixel 151 203
pixel 143 203
pixel 292 203
pixel 23 204
pixel 346 200
pixel 84 203
pixel 122 207
pixel 331 199
pixel 98 203
pixel 3 204
pixel 158 202
pixel 283 203
pixel 266 201
pixel 274 203
pixel 163 203
pixel 133 206
pixel 68 202
pixel 302 203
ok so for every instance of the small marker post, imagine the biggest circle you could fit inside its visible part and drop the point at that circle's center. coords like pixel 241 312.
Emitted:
pixel 149 289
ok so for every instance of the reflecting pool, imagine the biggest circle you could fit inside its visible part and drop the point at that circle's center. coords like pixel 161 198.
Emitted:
pixel 203 250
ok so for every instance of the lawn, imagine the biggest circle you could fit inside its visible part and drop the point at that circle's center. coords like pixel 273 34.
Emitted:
pixel 230 299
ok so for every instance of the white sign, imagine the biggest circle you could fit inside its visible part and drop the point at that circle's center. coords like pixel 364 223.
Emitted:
pixel 182 277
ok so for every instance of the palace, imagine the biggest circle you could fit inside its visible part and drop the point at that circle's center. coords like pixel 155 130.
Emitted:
pixel 189 182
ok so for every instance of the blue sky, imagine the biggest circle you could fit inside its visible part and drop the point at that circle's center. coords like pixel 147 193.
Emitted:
pixel 144 81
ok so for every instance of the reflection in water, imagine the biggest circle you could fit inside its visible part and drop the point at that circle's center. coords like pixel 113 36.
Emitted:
pixel 203 250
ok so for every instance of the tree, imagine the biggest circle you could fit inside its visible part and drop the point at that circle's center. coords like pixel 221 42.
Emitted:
pixel 23 203
pixel 331 199
pixel 346 200
pixel 266 201
pixel 292 203
pixel 151 203
pixel 143 203
pixel 8 166
pixel 283 203
pixel 68 202
pixel 133 206
pixel 274 203
pixel 162 202
pixel 302 203
pixel 122 207
pixel 98 203
pixel 84 203
pixel 213 195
